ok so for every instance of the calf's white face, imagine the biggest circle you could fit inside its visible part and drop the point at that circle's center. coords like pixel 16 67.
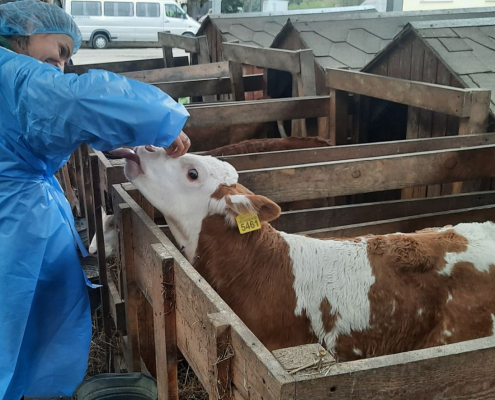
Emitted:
pixel 181 188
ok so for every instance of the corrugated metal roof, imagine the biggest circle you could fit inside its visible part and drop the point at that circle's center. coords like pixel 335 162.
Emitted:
pixel 259 29
pixel 354 42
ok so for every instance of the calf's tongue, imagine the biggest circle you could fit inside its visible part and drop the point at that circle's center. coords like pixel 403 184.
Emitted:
pixel 126 153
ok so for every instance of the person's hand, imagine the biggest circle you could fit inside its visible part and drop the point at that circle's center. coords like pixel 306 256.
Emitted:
pixel 179 146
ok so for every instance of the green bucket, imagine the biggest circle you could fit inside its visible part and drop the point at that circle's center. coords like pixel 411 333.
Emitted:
pixel 134 386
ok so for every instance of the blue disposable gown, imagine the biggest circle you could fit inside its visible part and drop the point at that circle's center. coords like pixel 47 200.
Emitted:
pixel 45 322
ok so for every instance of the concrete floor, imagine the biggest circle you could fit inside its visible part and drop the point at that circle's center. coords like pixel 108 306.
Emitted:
pixel 92 56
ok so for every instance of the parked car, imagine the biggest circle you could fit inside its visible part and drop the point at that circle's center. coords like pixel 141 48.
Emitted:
pixel 102 21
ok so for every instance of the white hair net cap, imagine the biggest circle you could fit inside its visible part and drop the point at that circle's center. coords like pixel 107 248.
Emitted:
pixel 30 17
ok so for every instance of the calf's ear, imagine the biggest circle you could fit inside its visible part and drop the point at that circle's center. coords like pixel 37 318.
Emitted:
pixel 266 209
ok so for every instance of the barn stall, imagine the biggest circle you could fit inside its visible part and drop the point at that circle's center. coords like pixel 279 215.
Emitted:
pixel 317 179
pixel 229 361
pixel 300 108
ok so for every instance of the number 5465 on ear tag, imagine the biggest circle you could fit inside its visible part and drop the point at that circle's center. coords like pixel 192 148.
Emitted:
pixel 248 222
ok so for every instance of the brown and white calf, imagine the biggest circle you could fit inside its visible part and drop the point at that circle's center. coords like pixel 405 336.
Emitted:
pixel 266 145
pixel 360 297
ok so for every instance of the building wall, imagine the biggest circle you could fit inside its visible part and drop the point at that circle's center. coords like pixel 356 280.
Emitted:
pixel 415 5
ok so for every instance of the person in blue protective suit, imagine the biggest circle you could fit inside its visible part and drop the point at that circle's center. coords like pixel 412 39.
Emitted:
pixel 45 322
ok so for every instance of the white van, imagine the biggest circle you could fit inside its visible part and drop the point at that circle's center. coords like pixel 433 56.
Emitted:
pixel 101 21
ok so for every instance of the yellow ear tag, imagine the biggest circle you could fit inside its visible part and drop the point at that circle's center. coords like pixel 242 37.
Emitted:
pixel 248 222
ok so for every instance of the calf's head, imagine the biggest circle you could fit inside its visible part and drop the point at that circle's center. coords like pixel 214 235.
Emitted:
pixel 190 188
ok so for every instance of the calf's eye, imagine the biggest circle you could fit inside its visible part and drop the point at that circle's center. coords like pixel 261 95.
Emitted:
pixel 192 174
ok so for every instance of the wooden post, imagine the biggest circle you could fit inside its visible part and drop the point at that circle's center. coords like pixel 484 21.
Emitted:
pixel 338 117
pixel 476 122
pixel 265 82
pixel 88 192
pixel 132 293
pixel 80 182
pixel 303 84
pixel 69 190
pixel 163 295
pixel 298 126
pixel 220 356
pixel 236 81
pixel 102 265
pixel 168 57
pixel 307 83
pixel 203 53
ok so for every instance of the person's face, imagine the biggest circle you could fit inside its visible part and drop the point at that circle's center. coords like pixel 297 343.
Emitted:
pixel 52 48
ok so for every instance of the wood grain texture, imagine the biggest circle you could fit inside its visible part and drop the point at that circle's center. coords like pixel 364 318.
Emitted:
pixel 131 291
pixel 189 44
pixel 237 113
pixel 452 101
pixel 191 72
pixel 100 245
pixel 322 218
pixel 408 224
pixel 314 181
pixel 165 333
pixel 435 373
pixel 283 60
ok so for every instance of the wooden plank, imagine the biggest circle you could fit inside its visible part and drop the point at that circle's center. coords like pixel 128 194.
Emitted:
pixel 282 158
pixel 123 219
pixel 236 113
pixel 448 100
pixel 111 172
pixel 168 57
pixel 406 61
pixel 338 117
pixel 117 307
pixel 101 256
pixel 408 224
pixel 80 182
pixel 147 335
pixel 69 191
pixel 164 324
pixel 298 126
pixel 88 192
pixel 283 60
pixel 320 218
pixel 394 64
pixel 220 353
pixel 192 72
pixel 203 51
pixel 477 120
pixel 430 63
pixel 256 372
pixel 314 181
pixel 402 376
pixel 237 81
pixel 117 67
pixel 189 44
pixel 413 113
pixel 210 86
pixel 439 123
pixel 307 83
